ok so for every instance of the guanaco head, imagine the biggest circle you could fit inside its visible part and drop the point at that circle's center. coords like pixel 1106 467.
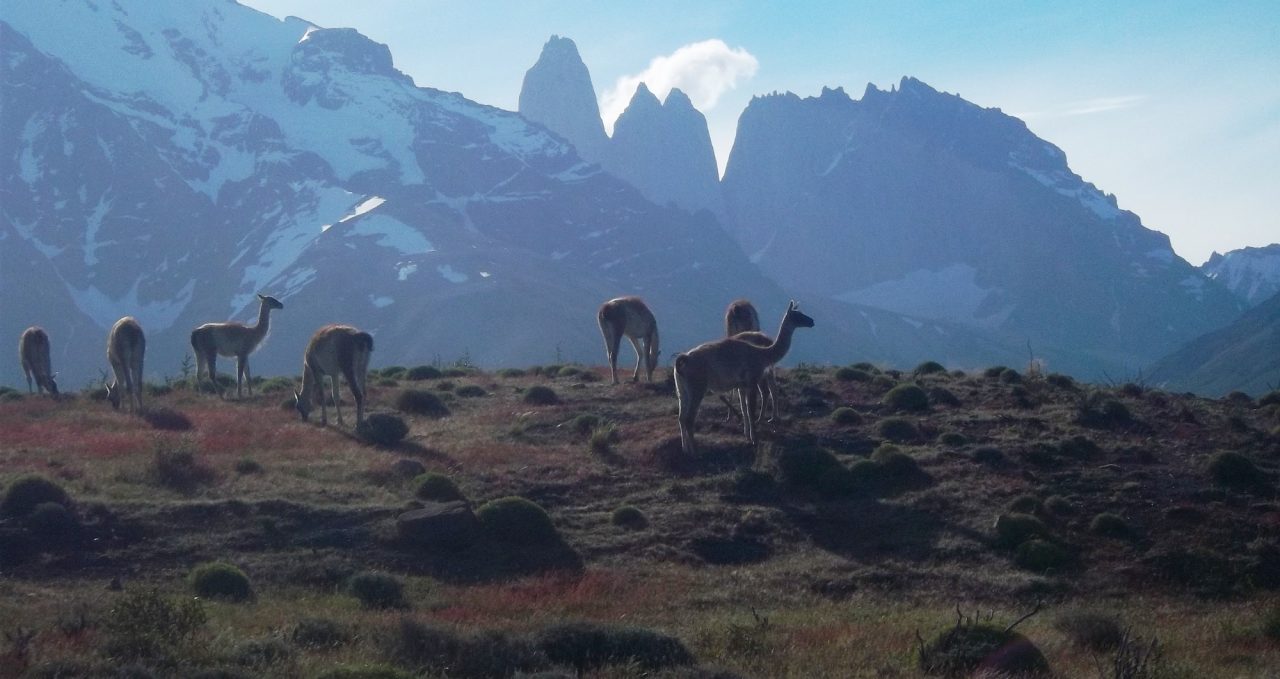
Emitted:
pixel 113 394
pixel 51 385
pixel 797 319
pixel 302 405
pixel 270 302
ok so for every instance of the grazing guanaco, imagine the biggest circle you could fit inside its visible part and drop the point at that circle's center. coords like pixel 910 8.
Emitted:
pixel 741 318
pixel 727 364
pixel 231 339
pixel 33 352
pixel 126 346
pixel 335 351
pixel 629 317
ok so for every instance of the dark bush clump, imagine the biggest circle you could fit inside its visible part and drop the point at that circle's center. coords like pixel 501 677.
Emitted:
pixel 517 520
pixel 953 439
pixel 248 465
pixel 1091 631
pixel 510 372
pixel 1010 376
pixel 569 371
pixel 907 397
pixel 1013 529
pixel 445 385
pixel 929 368
pixel 377 590
pixel 1060 381
pixel 882 382
pixel 961 650
pixel 178 468
pixel 442 652
pixel 1270 398
pixel 382 429
pixel 394 372
pixel 146 624
pixel 808 467
pixel 846 416
pixel 320 633
pixel 422 372
pixel 470 391
pixel 220 580
pixel 53 523
pixel 421 402
pixel 630 517
pixel 1059 506
pixel 167 419
pixel 541 396
pixel 1099 413
pixel 1234 470
pixel 943 397
pixel 1026 504
pixel 1110 525
pixel 261 653
pixel 994 371
pixel 848 374
pixel 436 488
pixel 898 430
pixel 991 457
pixel 1041 556
pixel 27 492
pixel 586 646
pixel 894 463
pixel 585 423
pixel 602 440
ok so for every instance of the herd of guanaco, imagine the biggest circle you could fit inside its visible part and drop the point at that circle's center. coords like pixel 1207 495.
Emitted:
pixel 741 363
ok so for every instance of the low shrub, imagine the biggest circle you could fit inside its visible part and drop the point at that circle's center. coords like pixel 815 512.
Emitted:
pixel 569 371
pixel 1010 376
pixel 167 419
pixel 894 463
pixel 1041 556
pixel 882 382
pixel 261 653
pixel 442 652
pixel 364 672
pixel 1271 621
pixel 629 517
pixel 53 524
pixel 994 372
pixel 317 633
pixel 1060 381
pixel 846 416
pixel 445 385
pixel 1133 390
pixel 146 624
pixel 422 372
pixel 421 402
pixel 510 372
pixel 1270 398
pixel 807 466
pixel 1014 528
pixel 1026 504
pixel 848 374
pixel 865 367
pixel 907 397
pixel 541 395
pixel 603 438
pixel 585 646
pixel 394 372
pixel 436 488
pixel 1094 632
pixel 382 429
pixel 953 439
pixel 898 430
pixel 991 457
pixel 1234 470
pixel 27 492
pixel 220 580
pixel 377 590
pixel 517 520
pixel 929 368
pixel 471 391
pixel 943 397
pixel 1059 506
pixel 1110 525
pixel 248 465
pixel 585 423
pixel 176 467
pixel 969 645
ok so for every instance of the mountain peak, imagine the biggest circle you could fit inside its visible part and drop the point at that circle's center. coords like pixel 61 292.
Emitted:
pixel 557 92
pixel 677 99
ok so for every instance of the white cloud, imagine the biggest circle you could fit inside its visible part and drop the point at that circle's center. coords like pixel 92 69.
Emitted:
pixel 703 70
pixel 1086 107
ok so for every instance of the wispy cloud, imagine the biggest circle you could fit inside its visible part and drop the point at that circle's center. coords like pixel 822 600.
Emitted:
pixel 703 70
pixel 1086 107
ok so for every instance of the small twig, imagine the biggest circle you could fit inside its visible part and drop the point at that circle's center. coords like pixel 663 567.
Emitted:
pixel 1019 621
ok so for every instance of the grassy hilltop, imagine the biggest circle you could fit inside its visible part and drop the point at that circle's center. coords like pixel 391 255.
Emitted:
pixel 230 539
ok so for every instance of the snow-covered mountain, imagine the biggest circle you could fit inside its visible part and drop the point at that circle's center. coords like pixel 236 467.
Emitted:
pixel 922 203
pixel 1253 274
pixel 662 148
pixel 169 160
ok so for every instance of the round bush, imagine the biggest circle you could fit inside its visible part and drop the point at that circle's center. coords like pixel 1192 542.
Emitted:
pixel 1010 376
pixel 1236 471
pixel 1013 528
pixel 569 371
pixel 908 397
pixel 585 646
pixel 994 371
pixel 963 649
pixel 382 429
pixel 806 466
pixel 898 430
pixel 517 520
pixel 991 457
pixel 248 465
pixel 1058 505
pixel 846 416
pixel 1270 398
pixel 24 494
pixel 1026 504
pixel 953 439
pixel 882 382
pixel 585 424
pixel 1092 631
pixel 394 372
pixel 436 488
pixel 421 402
pixel 52 521
pixel 630 517
pixel 510 372
pixel 929 368
pixel 377 590
pixel 220 580
pixel 470 391
pixel 1041 556
pixel 1060 381
pixel 541 396
pixel 894 462
pixel 848 374
pixel 943 396
pixel 320 633
pixel 1110 525
pixel 261 653
pixel 422 372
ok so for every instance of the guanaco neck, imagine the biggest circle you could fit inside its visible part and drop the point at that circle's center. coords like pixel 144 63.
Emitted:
pixel 263 324
pixel 774 352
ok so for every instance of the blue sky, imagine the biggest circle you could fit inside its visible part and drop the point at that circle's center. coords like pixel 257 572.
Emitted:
pixel 1172 106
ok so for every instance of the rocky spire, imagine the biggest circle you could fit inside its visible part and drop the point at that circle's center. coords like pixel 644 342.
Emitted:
pixel 557 93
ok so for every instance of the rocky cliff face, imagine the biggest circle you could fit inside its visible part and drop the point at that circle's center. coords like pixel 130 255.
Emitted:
pixel 919 202
pixel 1252 274
pixel 557 92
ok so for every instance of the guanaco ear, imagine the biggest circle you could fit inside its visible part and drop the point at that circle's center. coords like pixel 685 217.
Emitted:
pixel 260 296
pixel 791 306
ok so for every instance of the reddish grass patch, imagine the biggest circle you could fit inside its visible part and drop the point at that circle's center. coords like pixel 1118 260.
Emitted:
pixel 595 594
